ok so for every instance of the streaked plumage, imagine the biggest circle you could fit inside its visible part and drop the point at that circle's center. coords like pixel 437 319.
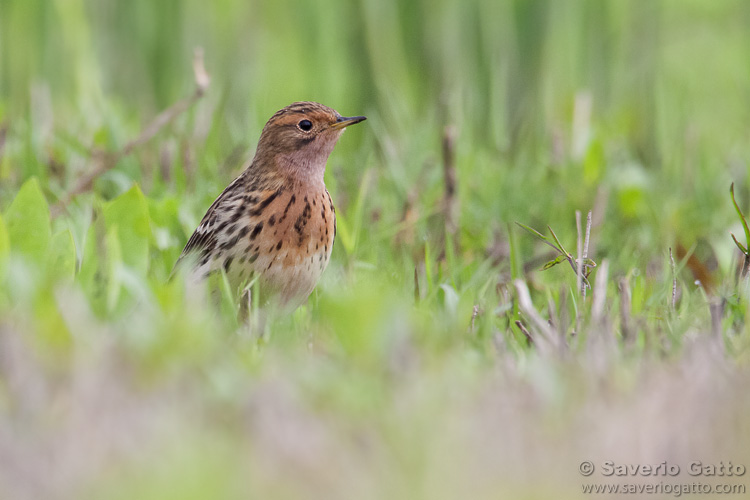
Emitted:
pixel 276 221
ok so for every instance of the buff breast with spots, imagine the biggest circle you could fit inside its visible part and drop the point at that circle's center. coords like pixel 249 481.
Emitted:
pixel 276 222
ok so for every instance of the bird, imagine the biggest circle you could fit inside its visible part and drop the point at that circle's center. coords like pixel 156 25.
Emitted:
pixel 275 223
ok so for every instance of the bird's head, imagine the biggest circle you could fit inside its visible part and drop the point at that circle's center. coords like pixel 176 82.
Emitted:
pixel 298 139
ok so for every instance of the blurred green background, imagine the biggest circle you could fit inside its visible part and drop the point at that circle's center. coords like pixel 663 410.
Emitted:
pixel 117 383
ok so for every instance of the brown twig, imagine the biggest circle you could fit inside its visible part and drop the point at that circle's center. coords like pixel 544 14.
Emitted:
pixel 700 269
pixel 587 239
pixel 417 295
pixel 106 161
pixel 450 205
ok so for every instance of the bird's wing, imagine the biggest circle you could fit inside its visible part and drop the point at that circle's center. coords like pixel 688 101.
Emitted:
pixel 229 218
pixel 205 237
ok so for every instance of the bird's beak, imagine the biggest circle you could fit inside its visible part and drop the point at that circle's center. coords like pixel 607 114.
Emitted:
pixel 343 121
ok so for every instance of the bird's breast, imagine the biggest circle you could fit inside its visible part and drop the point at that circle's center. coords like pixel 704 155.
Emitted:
pixel 294 245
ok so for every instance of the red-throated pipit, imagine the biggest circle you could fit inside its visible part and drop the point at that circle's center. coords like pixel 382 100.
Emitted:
pixel 276 222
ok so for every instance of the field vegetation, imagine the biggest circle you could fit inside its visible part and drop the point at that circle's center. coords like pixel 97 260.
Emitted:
pixel 436 359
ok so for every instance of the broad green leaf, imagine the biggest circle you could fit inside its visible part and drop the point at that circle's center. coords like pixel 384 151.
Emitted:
pixel 164 222
pixel 28 222
pixel 53 334
pixel 114 261
pixel 62 255
pixel 164 212
pixel 129 214
pixel 89 260
pixel 92 274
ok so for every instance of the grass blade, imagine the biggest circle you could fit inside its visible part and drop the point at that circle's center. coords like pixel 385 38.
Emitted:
pixel 739 245
pixel 742 218
pixel 537 234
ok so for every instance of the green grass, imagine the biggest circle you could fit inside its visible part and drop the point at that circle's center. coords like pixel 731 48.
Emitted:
pixel 406 374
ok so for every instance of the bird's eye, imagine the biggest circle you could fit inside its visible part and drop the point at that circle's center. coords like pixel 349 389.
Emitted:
pixel 305 125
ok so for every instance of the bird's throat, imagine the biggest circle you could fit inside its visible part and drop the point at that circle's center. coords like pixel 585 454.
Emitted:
pixel 302 167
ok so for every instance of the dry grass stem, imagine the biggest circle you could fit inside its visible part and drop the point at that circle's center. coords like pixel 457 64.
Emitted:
pixel 450 202
pixel 600 294
pixel 585 258
pixel 587 239
pixel 527 308
pixel 674 279
pixel 474 314
pixel 583 253
pixel 579 262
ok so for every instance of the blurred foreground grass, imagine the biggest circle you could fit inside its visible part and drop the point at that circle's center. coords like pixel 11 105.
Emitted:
pixel 406 375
